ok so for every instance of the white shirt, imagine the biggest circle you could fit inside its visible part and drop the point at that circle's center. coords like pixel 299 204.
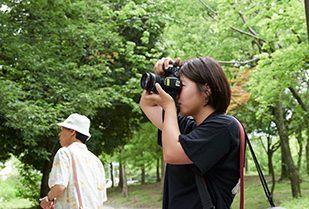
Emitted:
pixel 90 174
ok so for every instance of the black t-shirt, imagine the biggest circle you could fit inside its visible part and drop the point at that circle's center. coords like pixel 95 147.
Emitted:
pixel 213 147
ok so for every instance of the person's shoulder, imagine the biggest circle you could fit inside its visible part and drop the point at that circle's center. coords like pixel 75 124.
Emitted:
pixel 63 151
pixel 186 120
pixel 221 119
pixel 94 157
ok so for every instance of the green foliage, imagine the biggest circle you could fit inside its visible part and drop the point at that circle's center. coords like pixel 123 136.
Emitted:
pixel 10 186
pixel 142 151
pixel 7 190
pixel 30 180
pixel 61 57
pixel 21 184
pixel 267 38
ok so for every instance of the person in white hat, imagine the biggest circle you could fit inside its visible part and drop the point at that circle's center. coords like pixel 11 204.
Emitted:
pixel 89 169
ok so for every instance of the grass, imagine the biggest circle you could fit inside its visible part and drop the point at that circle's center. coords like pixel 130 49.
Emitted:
pixel 15 203
pixel 140 196
pixel 149 195
pixel 255 197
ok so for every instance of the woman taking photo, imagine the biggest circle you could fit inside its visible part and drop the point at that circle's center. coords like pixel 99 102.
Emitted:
pixel 201 139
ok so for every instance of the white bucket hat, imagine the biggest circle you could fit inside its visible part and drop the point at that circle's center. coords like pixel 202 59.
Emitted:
pixel 78 123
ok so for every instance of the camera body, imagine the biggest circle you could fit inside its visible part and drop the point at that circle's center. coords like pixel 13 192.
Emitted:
pixel 169 81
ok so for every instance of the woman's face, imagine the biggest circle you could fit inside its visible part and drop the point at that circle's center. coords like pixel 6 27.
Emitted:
pixel 64 137
pixel 190 99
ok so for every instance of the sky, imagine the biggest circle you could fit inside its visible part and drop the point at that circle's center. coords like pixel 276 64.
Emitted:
pixel 4 8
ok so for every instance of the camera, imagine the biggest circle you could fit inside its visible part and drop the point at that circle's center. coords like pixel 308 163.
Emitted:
pixel 169 81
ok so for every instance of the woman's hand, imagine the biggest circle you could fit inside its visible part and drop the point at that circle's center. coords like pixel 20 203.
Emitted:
pixel 158 68
pixel 152 103
pixel 162 99
pixel 47 205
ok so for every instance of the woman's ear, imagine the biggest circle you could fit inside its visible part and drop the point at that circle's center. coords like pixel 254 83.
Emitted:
pixel 73 132
pixel 207 90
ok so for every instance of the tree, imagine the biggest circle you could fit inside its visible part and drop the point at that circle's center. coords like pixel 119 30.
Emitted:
pixel 60 57
pixel 142 150
pixel 268 35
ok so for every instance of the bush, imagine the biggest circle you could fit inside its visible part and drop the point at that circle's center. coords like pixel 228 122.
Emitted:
pixel 7 190
pixel 29 186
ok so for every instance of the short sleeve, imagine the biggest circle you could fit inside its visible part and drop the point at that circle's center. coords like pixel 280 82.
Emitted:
pixel 207 143
pixel 185 126
pixel 60 172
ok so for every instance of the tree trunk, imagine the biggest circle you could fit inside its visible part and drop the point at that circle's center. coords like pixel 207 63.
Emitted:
pixel 269 156
pixel 143 175
pixel 270 163
pixel 120 183
pixel 124 181
pixel 271 170
pixel 247 165
pixel 300 140
pixel 158 171
pixel 163 164
pixel 307 148
pixel 51 147
pixel 286 152
pixel 112 178
pixel 44 182
pixel 284 167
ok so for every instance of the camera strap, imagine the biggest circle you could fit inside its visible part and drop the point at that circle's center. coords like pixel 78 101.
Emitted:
pixel 204 195
pixel 176 102
pixel 76 181
pixel 201 184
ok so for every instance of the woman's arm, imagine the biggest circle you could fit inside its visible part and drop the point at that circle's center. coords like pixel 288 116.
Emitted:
pixel 52 195
pixel 152 105
pixel 55 191
pixel 173 152
pixel 151 109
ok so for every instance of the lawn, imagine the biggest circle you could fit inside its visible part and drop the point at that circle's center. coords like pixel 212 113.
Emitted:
pixel 149 196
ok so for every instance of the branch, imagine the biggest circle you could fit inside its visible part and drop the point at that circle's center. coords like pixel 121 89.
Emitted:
pixel 243 32
pixel 4 55
pixel 232 62
pixel 245 21
pixel 276 145
pixel 299 100
pixel 243 106
pixel 202 54
pixel 249 108
pixel 5 118
pixel 238 62
pixel 249 34
pixel 208 7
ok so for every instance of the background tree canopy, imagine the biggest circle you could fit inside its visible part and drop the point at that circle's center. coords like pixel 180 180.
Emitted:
pixel 61 57
pixel 263 47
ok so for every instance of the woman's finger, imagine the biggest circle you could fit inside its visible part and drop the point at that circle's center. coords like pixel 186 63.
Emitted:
pixel 159 88
pixel 162 63
pixel 177 61
pixel 163 94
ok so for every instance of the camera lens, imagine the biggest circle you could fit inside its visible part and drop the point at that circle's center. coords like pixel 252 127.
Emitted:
pixel 148 81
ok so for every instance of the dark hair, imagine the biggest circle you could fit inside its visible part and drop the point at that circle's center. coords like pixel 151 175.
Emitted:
pixel 206 70
pixel 83 138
